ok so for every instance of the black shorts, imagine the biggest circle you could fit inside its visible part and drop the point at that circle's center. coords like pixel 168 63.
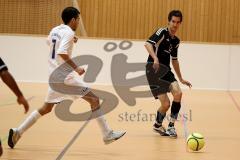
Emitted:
pixel 2 65
pixel 160 81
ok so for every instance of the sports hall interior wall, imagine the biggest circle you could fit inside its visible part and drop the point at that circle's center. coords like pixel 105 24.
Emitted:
pixel 207 66
pixel 215 21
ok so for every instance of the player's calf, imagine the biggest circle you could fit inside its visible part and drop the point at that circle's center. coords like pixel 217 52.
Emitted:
pixel 177 96
pixel 158 127
pixel 176 106
pixel 46 108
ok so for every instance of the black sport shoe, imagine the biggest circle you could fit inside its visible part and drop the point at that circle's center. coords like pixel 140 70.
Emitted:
pixel 1 150
pixel 161 130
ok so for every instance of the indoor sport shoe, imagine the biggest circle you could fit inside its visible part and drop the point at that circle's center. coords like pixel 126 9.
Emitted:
pixel 13 137
pixel 1 150
pixel 113 136
pixel 171 131
pixel 161 130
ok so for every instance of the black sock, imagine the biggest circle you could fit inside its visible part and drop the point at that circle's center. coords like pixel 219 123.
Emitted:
pixel 171 124
pixel 159 119
pixel 175 109
pixel 174 112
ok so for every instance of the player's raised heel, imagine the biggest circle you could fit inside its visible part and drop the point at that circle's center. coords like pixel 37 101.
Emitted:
pixel 113 136
pixel 171 131
pixel 13 137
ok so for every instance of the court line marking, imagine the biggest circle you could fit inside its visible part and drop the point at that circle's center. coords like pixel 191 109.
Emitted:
pixel 184 122
pixel 13 103
pixel 65 149
pixel 234 100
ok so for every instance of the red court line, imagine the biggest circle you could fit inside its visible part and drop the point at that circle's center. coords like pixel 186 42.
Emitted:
pixel 234 101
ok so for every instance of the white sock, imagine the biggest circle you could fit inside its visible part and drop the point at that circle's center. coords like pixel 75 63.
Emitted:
pixel 102 123
pixel 31 119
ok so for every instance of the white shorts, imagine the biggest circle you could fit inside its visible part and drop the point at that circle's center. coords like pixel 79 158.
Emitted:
pixel 56 97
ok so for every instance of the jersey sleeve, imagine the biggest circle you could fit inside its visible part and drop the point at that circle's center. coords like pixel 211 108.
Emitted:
pixel 65 43
pixel 174 53
pixel 156 36
pixel 3 66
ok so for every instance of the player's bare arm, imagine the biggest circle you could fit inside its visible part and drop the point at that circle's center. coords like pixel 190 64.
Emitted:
pixel 11 83
pixel 68 60
pixel 150 50
pixel 176 67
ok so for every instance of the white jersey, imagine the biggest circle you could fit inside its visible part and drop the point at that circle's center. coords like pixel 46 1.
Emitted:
pixel 60 40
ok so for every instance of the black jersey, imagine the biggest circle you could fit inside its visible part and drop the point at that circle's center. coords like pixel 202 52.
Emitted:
pixel 164 46
pixel 2 65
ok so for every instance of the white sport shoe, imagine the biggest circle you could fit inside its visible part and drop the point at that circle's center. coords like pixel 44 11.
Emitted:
pixel 13 137
pixel 172 132
pixel 113 136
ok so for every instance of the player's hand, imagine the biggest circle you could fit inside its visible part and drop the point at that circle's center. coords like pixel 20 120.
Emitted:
pixel 75 39
pixel 80 71
pixel 186 83
pixel 156 65
pixel 22 101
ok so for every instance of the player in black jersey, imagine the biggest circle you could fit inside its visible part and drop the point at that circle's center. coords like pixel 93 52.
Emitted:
pixel 163 46
pixel 11 83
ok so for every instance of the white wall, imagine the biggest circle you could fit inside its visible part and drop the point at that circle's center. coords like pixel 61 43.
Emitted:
pixel 207 66
pixel 234 67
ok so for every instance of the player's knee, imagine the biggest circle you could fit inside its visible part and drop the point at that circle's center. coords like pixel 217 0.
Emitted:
pixel 177 96
pixel 48 110
pixel 3 73
pixel 45 110
pixel 166 104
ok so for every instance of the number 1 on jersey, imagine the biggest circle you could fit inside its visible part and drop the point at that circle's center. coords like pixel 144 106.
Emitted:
pixel 53 51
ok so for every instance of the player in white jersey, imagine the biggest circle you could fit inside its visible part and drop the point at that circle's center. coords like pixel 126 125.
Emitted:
pixel 60 40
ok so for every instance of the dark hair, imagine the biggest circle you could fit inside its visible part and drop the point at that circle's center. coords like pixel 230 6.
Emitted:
pixel 69 13
pixel 175 13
